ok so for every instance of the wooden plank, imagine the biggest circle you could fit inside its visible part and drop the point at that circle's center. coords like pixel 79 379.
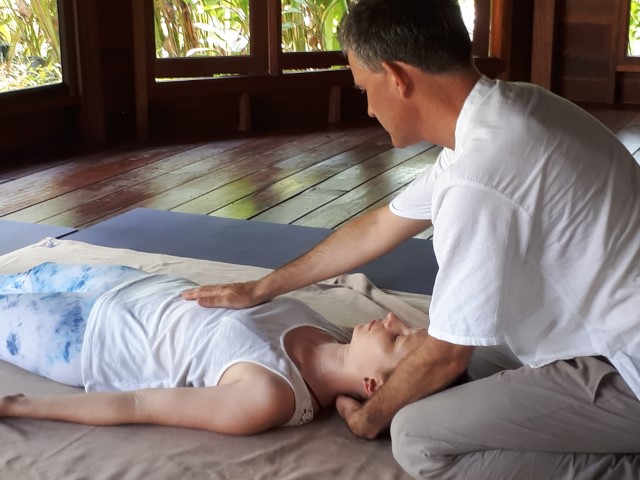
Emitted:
pixel 338 185
pixel 591 11
pixel 613 118
pixel 172 173
pixel 426 234
pixel 257 180
pixel 629 87
pixel 92 186
pixel 17 169
pixel 56 181
pixel 95 193
pixel 355 201
pixel 275 193
pixel 584 89
pixel 629 135
pixel 239 169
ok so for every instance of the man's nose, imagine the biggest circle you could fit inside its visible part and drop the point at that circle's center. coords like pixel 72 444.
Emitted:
pixel 370 112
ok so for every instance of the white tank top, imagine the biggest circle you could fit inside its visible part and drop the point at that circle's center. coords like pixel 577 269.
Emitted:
pixel 142 334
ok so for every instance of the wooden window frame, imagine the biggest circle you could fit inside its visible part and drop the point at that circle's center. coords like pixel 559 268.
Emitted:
pixel 267 68
pixel 81 87
pixel 266 57
pixel 625 62
pixel 49 96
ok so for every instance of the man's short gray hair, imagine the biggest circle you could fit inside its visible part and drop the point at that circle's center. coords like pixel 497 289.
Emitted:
pixel 428 34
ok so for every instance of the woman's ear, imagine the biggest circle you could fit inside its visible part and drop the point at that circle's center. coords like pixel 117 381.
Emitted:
pixel 399 75
pixel 371 385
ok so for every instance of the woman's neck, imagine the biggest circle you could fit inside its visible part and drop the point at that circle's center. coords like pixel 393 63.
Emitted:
pixel 322 361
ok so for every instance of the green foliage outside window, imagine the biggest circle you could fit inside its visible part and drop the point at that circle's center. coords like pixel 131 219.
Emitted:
pixel 188 28
pixel 633 48
pixel 29 44
pixel 311 25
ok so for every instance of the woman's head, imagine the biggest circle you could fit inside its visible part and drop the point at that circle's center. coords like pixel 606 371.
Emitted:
pixel 378 346
pixel 427 34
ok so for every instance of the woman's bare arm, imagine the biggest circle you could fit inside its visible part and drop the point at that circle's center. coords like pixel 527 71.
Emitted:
pixel 245 407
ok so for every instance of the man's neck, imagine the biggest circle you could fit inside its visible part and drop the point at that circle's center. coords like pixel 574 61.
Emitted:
pixel 442 99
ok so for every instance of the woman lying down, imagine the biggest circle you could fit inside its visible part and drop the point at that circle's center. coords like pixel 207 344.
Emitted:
pixel 145 355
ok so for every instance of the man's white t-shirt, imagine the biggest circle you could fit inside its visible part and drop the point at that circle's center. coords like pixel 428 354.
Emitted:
pixel 536 218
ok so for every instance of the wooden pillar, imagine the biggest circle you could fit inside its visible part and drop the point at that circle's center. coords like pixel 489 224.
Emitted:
pixel 335 104
pixel 500 38
pixel 275 35
pixel 144 62
pixel 89 81
pixel 244 116
pixel 544 29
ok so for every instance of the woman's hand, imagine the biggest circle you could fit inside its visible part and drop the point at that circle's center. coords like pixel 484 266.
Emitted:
pixel 8 403
pixel 230 295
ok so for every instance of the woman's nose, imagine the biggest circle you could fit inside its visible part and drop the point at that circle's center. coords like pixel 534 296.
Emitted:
pixel 393 322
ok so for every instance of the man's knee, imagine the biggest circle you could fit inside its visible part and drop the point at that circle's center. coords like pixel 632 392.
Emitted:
pixel 401 445
pixel 411 446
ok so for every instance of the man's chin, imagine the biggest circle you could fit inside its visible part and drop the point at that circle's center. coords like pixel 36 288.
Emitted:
pixel 401 143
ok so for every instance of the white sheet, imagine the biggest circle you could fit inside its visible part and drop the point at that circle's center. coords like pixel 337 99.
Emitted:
pixel 323 449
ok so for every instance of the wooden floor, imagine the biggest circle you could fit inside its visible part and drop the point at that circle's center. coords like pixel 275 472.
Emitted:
pixel 321 178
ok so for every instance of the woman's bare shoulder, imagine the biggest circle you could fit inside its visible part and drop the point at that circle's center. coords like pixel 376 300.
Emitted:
pixel 271 394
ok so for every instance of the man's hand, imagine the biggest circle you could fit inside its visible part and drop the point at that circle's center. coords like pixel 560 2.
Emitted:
pixel 231 295
pixel 353 413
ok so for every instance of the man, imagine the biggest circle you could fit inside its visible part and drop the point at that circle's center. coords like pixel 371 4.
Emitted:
pixel 536 214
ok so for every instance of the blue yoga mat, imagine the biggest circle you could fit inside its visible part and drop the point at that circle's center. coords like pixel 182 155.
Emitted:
pixel 410 268
pixel 15 235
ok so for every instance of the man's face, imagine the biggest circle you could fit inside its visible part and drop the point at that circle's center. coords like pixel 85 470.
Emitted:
pixel 385 102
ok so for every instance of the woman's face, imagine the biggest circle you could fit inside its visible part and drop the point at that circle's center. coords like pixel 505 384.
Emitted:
pixel 377 346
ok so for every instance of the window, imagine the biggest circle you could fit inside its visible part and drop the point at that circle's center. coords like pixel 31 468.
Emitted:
pixel 311 25
pixel 218 38
pixel 633 45
pixel 476 15
pixel 468 10
pixel 201 28
pixel 29 44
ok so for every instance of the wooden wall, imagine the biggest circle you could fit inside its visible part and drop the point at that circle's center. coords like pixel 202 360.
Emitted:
pixel 578 51
pixel 566 45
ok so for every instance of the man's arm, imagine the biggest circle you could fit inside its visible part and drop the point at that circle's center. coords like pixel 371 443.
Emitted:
pixel 241 408
pixel 359 241
pixel 428 369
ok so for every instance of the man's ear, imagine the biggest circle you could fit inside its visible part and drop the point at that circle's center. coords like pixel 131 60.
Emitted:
pixel 371 385
pixel 400 77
